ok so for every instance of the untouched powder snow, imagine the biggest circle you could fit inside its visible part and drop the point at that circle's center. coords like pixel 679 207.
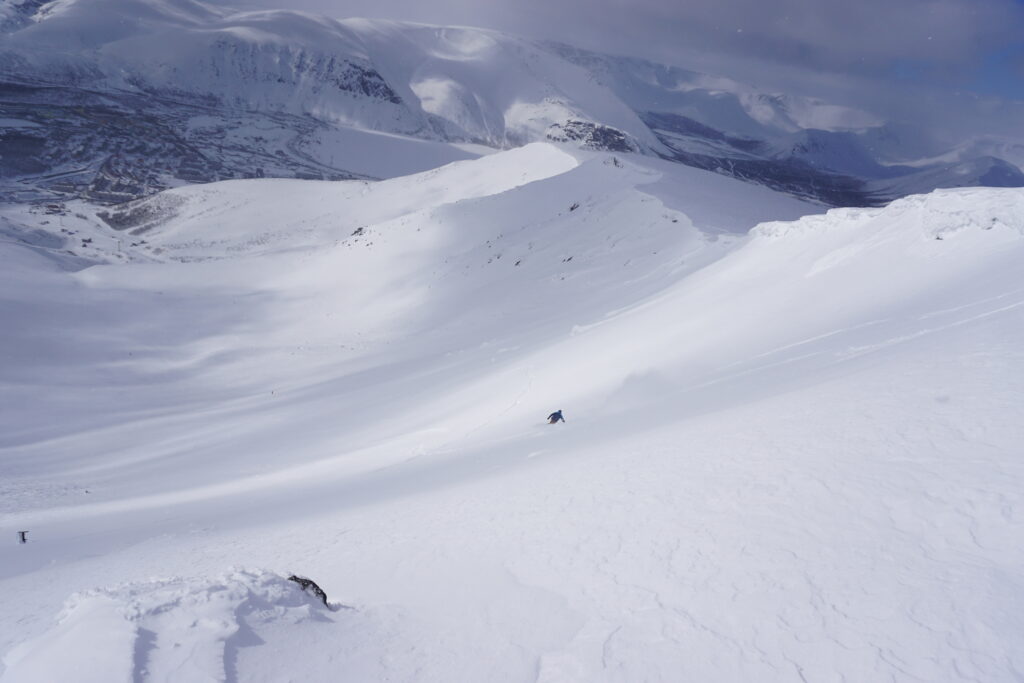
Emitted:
pixel 788 455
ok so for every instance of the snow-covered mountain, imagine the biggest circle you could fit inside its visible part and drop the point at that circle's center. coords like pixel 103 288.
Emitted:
pixel 116 99
pixel 789 452
pixel 230 355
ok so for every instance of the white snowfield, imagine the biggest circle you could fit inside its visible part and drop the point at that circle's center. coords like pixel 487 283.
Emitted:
pixel 788 455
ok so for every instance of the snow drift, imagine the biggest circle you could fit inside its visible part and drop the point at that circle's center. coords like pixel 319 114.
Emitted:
pixel 164 630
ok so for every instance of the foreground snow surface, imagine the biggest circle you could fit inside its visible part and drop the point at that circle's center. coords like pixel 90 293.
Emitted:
pixel 789 455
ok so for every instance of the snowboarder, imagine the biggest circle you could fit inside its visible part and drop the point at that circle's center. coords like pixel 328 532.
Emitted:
pixel 555 417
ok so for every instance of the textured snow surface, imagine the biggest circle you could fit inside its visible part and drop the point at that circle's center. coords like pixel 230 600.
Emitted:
pixel 789 455
pixel 166 630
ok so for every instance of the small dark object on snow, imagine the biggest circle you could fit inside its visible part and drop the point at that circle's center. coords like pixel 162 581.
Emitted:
pixel 309 586
pixel 22 537
pixel 575 205
pixel 555 417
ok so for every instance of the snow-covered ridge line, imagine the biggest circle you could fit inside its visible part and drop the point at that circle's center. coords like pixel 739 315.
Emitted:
pixel 936 215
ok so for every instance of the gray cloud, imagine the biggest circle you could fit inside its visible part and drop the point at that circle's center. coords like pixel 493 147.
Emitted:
pixel 832 34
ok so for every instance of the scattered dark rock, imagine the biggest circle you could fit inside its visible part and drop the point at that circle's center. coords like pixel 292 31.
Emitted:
pixel 592 136
pixel 114 147
pixel 309 586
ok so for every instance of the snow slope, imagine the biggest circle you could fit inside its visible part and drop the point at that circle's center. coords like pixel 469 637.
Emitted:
pixel 788 455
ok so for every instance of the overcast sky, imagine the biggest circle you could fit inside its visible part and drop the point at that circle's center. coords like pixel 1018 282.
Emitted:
pixel 890 54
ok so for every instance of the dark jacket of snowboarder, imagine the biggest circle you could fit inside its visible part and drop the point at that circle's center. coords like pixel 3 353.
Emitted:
pixel 555 417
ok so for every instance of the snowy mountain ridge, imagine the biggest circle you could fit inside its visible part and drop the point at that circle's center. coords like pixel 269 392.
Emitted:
pixel 937 215
pixel 115 99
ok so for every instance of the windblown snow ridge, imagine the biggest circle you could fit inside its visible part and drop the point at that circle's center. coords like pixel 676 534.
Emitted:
pixel 936 215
